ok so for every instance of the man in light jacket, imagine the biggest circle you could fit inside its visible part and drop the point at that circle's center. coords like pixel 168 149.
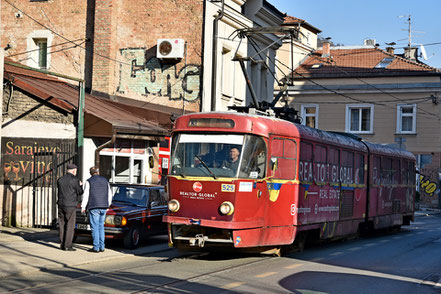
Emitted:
pixel 97 199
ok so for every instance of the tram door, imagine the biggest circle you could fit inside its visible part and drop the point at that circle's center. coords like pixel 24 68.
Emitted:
pixel 281 187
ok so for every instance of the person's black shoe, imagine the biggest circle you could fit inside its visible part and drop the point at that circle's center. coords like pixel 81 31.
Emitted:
pixel 62 248
pixel 102 250
pixel 70 249
pixel 93 250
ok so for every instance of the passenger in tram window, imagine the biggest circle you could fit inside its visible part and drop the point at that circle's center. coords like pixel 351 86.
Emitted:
pixel 233 159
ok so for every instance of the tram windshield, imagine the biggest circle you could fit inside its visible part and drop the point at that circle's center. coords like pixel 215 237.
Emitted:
pixel 218 155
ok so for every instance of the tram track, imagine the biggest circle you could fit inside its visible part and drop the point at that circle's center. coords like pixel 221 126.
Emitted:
pixel 196 277
pixel 85 275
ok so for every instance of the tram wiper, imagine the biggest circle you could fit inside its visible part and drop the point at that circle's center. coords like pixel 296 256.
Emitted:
pixel 206 166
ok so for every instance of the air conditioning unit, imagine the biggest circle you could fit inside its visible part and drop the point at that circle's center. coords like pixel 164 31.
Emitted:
pixel 170 48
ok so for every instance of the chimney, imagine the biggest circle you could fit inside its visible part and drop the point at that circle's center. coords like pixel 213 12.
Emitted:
pixel 390 50
pixel 326 49
pixel 369 42
pixel 411 53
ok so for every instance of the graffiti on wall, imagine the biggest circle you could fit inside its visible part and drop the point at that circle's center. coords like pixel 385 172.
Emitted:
pixel 428 186
pixel 148 76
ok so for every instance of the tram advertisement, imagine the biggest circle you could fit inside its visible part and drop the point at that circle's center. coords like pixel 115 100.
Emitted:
pixel 22 156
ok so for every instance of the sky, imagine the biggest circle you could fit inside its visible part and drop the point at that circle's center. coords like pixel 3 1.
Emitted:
pixel 349 22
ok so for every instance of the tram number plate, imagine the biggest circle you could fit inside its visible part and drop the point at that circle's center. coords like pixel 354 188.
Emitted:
pixel 83 227
pixel 228 188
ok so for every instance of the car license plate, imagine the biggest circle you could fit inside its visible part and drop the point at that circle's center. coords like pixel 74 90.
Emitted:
pixel 83 227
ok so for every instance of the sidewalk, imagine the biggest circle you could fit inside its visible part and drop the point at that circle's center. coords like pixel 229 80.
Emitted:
pixel 24 250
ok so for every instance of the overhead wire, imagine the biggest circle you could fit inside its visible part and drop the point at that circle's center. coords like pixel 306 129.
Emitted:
pixel 371 85
pixel 74 46
pixel 56 45
pixel 254 44
pixel 380 103
pixel 63 37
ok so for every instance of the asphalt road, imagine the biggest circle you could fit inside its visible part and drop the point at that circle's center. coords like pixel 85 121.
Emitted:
pixel 405 262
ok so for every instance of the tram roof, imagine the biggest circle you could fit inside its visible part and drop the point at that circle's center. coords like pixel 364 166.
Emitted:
pixel 265 126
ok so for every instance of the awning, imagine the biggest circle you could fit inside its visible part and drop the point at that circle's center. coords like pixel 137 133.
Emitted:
pixel 102 117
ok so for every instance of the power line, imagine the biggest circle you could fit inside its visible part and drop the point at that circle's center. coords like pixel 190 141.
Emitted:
pixel 63 37
pixel 56 45
pixel 373 86
pixel 379 103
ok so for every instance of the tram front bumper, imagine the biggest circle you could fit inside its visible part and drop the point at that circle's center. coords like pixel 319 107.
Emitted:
pixel 231 225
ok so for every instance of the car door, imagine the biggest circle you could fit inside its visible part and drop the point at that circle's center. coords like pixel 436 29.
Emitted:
pixel 157 208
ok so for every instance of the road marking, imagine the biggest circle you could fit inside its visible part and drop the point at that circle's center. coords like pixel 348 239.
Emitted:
pixel 384 241
pixel 266 275
pixel 438 285
pixel 293 265
pixel 370 244
pixel 233 285
pixel 336 253
pixel 354 248
pixel 317 259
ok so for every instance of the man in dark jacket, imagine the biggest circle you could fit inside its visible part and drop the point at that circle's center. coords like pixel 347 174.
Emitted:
pixel 69 191
pixel 97 199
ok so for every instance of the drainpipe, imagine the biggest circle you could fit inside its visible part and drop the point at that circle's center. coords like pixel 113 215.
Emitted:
pixel 80 132
pixel 101 147
pixel 214 56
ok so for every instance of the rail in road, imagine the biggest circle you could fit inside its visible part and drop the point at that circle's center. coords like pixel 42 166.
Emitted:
pixel 377 259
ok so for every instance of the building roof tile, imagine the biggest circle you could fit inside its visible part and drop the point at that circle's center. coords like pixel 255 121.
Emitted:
pixel 362 61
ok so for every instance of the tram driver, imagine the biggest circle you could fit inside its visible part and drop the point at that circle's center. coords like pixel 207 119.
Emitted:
pixel 232 162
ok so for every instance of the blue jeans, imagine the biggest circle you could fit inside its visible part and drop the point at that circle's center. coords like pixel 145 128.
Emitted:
pixel 97 217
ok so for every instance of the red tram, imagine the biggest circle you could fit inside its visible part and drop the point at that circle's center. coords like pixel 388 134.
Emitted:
pixel 290 181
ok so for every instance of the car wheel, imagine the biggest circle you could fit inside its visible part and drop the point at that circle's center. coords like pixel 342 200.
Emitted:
pixel 132 237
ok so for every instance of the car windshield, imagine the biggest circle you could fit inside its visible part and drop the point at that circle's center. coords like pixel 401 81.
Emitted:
pixel 219 155
pixel 132 195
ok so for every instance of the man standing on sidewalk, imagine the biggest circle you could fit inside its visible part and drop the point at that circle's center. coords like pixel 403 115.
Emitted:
pixel 97 199
pixel 69 191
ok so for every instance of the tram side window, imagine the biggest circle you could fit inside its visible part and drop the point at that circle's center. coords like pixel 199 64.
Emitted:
pixel 404 173
pixel 359 169
pixel 412 175
pixel 306 173
pixel 386 170
pixel 334 163
pixel 283 158
pixel 320 174
pixel 347 167
pixel 376 174
pixel 396 175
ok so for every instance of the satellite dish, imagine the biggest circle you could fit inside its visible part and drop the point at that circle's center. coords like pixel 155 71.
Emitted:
pixel 423 52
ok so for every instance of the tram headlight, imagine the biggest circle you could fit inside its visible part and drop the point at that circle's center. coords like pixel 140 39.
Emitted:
pixel 226 208
pixel 173 205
